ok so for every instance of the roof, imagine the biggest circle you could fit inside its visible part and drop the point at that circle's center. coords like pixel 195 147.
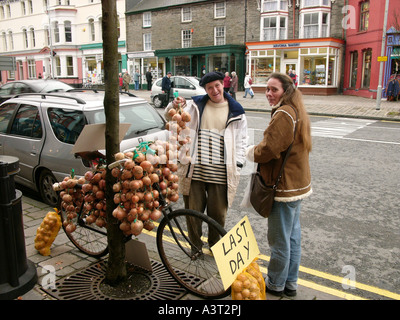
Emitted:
pixel 134 6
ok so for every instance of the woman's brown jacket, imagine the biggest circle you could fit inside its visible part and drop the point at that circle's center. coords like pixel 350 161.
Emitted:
pixel 295 183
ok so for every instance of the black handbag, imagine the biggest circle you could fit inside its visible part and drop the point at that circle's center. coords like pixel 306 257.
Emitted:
pixel 262 195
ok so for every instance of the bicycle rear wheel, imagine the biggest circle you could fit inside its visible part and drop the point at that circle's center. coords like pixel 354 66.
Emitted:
pixel 188 258
pixel 90 239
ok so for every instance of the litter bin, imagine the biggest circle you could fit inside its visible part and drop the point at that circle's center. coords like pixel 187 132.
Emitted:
pixel 17 273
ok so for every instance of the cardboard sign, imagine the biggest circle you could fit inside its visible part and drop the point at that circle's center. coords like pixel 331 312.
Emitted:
pixel 235 251
pixel 92 137
pixel 136 253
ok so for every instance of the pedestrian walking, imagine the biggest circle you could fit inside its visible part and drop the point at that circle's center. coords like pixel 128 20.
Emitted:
pixel 126 80
pixel 136 79
pixel 247 86
pixel 234 85
pixel 227 82
pixel 121 82
pixel 210 181
pixel 149 79
pixel 166 87
pixel 284 233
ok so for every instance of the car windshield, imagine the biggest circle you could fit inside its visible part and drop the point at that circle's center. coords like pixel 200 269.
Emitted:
pixel 142 117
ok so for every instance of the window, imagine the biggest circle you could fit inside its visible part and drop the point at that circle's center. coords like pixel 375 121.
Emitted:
pixel 33 40
pixel 2 12
pixel 47 36
pixel 58 65
pixel 364 16
pixel 220 10
pixel 31 69
pixel 25 36
pixel 146 19
pixel 23 8
pixel 366 70
pixel 315 24
pixel 30 6
pixel 274 28
pixel 275 5
pixel 68 31
pixel 27 122
pixel 186 14
pixel 147 42
pixel 11 40
pixel 91 30
pixel 353 69
pixel 70 66
pixel 315 3
pixel 6 110
pixel 219 35
pixel 8 9
pixel 56 32
pixel 186 38
pixel 66 124
pixel 4 41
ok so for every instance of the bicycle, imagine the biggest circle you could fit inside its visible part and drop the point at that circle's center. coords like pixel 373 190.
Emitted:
pixel 178 246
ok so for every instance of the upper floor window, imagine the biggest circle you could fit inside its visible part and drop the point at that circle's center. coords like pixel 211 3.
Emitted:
pixel 315 3
pixel 23 8
pixel 186 38
pixel 4 40
pixel 364 16
pixel 220 10
pixel 147 42
pixel 68 31
pixel 219 36
pixel 25 38
pixel 11 40
pixel 274 28
pixel 275 5
pixel 91 30
pixel 8 9
pixel 186 14
pixel 33 39
pixel 146 19
pixel 315 24
pixel 30 6
pixel 56 32
pixel 2 12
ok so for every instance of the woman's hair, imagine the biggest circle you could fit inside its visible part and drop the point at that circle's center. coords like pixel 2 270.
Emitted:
pixel 292 96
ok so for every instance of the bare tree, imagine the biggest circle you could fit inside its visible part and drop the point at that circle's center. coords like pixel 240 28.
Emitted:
pixel 116 269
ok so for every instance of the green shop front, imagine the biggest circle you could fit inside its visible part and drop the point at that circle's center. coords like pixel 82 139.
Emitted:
pixel 201 60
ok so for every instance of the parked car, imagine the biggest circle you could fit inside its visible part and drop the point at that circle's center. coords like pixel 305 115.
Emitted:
pixel 41 130
pixel 12 88
pixel 187 87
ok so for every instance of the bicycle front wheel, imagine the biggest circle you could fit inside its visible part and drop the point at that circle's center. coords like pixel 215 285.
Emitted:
pixel 89 239
pixel 182 242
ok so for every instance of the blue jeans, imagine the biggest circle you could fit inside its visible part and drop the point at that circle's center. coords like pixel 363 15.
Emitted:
pixel 136 85
pixel 284 238
pixel 247 90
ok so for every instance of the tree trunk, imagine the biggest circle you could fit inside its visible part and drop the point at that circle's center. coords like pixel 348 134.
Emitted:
pixel 116 269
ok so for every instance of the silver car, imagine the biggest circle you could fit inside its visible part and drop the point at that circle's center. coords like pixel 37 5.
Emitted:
pixel 187 87
pixel 41 130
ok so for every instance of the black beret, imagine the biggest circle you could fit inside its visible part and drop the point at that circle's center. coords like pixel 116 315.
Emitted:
pixel 210 77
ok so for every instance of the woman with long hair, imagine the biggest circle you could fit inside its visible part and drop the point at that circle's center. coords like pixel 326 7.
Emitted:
pixel 284 234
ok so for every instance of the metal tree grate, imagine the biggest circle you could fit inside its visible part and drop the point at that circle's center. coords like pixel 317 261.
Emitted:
pixel 87 284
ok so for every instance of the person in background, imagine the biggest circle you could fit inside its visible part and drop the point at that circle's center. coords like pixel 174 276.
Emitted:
pixel 121 82
pixel 149 78
pixel 247 86
pixel 234 85
pixel 126 80
pixel 227 82
pixel 136 79
pixel 284 233
pixel 220 126
pixel 166 86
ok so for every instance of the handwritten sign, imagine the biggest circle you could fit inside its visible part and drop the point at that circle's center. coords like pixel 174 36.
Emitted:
pixel 235 251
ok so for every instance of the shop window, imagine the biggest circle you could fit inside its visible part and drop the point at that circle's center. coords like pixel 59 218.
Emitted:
pixel 219 36
pixel 31 69
pixel 274 28
pixel 366 70
pixel 364 16
pixel 353 69
pixel 313 71
pixel 262 68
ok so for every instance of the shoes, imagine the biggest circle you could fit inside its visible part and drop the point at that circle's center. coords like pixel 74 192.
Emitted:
pixel 252 96
pixel 244 96
pixel 290 293
pixel 273 292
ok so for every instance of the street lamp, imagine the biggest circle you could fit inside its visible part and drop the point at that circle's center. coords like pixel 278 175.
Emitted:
pixel 379 93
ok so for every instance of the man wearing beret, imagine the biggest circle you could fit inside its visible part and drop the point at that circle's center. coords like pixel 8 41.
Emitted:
pixel 219 139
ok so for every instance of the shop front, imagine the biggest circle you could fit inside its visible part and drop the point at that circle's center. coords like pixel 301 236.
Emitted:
pixel 198 61
pixel 392 65
pixel 314 64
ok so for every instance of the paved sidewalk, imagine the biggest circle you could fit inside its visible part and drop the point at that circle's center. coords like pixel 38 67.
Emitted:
pixel 336 105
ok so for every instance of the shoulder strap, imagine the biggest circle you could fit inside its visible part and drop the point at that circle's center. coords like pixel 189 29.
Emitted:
pixel 288 151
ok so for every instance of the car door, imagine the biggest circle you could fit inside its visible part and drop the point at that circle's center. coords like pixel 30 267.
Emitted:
pixel 7 111
pixel 24 140
pixel 184 88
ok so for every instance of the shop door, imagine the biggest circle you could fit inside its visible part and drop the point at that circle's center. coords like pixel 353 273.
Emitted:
pixel 291 70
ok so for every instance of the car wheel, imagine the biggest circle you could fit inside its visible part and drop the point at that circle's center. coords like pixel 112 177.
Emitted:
pixel 46 181
pixel 157 102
